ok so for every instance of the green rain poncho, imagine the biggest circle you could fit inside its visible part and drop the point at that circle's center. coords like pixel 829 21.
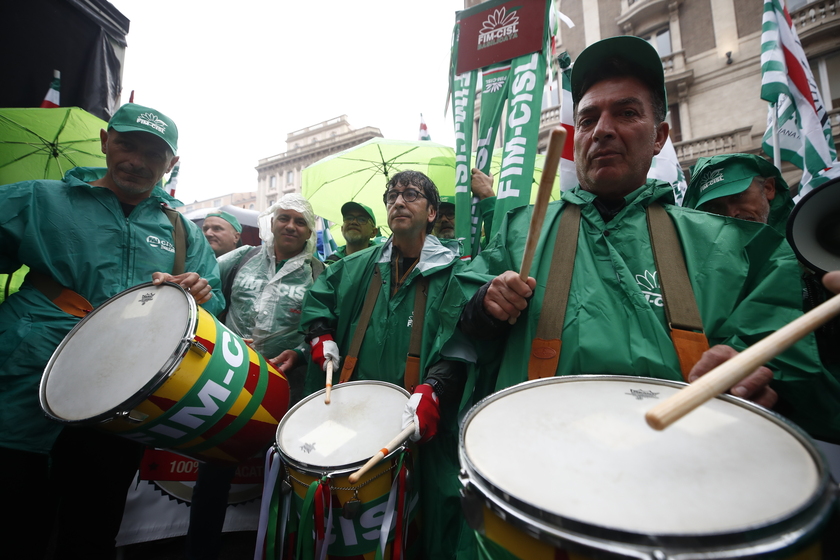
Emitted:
pixel 337 298
pixel 77 234
pixel 745 279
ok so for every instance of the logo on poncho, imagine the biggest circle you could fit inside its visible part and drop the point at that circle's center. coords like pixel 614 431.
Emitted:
pixel 648 282
pixel 710 178
pixel 499 27
pixel 152 120
pixel 160 243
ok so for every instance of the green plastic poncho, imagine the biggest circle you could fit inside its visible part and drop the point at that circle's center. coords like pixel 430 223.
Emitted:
pixel 745 279
pixel 337 298
pixel 78 234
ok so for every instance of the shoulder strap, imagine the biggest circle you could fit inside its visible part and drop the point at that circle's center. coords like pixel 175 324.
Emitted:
pixel 179 235
pixel 415 345
pixel 352 355
pixel 545 348
pixel 677 294
pixel 317 267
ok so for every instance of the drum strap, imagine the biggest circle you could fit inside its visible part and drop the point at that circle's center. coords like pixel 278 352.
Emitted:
pixel 179 235
pixel 680 304
pixel 545 350
pixel 681 310
pixel 367 310
pixel 64 298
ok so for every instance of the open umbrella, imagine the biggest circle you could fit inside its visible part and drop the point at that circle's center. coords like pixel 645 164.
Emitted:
pixel 361 173
pixel 46 143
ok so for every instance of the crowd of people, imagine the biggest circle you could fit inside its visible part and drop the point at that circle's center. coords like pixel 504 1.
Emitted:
pixel 409 310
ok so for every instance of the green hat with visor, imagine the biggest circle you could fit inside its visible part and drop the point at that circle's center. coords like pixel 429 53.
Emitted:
pixel 229 218
pixel 359 207
pixel 137 118
pixel 725 175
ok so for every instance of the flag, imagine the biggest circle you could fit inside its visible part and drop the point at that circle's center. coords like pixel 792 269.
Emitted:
pixel 52 98
pixel 173 180
pixel 424 132
pixel 666 167
pixel 568 174
pixel 803 132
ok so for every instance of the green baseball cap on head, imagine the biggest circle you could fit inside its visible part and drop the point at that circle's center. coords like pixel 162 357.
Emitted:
pixel 352 205
pixel 725 175
pixel 229 218
pixel 634 50
pixel 448 200
pixel 137 118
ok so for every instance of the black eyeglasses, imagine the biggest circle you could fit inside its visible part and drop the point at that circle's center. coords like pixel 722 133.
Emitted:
pixel 409 195
pixel 361 220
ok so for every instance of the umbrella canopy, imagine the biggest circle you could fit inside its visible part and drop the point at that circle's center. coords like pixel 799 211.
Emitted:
pixel 46 143
pixel 361 173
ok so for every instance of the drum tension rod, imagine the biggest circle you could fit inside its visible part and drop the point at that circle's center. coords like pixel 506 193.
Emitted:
pixel 196 346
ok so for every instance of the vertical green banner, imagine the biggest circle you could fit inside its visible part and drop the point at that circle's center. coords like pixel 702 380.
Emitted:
pixel 527 79
pixel 463 107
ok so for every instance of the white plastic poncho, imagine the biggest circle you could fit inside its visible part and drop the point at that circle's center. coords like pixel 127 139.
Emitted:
pixel 266 302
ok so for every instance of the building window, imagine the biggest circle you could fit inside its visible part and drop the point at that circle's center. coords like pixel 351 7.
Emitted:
pixel 217 202
pixel 826 71
pixel 272 182
pixel 271 201
pixel 250 207
pixel 290 177
pixel 661 41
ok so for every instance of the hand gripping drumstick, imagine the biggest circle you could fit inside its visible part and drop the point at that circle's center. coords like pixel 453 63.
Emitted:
pixel 393 444
pixel 329 381
pixel 734 370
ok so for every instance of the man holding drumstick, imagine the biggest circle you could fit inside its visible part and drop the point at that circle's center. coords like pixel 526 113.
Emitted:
pixel 738 283
pixel 412 266
pixel 85 238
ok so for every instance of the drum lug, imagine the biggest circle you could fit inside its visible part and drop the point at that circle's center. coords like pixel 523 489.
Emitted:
pixel 471 503
pixel 133 416
pixel 196 346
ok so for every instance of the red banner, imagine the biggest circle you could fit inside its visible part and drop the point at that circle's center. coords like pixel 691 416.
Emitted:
pixel 499 30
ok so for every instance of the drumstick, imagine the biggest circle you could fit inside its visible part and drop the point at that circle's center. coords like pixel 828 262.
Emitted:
pixel 729 373
pixel 393 444
pixel 329 381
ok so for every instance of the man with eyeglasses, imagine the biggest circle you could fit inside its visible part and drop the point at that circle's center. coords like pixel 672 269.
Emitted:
pixel 397 277
pixel 359 229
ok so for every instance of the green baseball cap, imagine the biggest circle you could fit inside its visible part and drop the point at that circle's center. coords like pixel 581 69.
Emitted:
pixel 725 175
pixel 450 200
pixel 352 205
pixel 229 218
pixel 137 118
pixel 634 50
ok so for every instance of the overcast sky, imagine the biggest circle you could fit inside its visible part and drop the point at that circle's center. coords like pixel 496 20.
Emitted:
pixel 236 77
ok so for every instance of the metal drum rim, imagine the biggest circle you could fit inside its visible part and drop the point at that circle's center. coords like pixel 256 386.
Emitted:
pixel 559 530
pixel 337 470
pixel 154 382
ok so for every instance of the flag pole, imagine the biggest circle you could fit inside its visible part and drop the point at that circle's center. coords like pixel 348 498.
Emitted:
pixel 777 150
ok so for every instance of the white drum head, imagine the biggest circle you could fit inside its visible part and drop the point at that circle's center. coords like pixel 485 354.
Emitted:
pixel 115 352
pixel 581 450
pixel 362 417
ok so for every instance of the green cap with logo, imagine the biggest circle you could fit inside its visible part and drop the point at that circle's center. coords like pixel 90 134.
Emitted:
pixel 359 207
pixel 228 217
pixel 450 200
pixel 634 50
pixel 725 175
pixel 137 118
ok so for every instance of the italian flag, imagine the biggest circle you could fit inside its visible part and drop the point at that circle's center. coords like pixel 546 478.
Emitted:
pixel 424 132
pixel 568 174
pixel 52 98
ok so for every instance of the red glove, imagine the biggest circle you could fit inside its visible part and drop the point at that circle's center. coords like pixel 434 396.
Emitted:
pixel 325 349
pixel 424 410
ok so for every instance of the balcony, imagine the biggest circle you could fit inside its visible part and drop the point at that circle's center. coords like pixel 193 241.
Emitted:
pixel 816 18
pixel 738 140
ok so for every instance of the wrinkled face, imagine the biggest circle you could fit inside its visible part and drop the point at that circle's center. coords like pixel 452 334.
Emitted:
pixel 752 204
pixel 136 161
pixel 290 232
pixel 445 224
pixel 409 218
pixel 357 227
pixel 220 235
pixel 616 137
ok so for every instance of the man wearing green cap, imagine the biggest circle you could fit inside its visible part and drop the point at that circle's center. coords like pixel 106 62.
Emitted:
pixel 222 231
pixel 85 238
pixel 358 228
pixel 603 300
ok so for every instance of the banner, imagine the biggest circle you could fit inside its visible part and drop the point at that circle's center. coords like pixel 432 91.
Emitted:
pixel 804 130
pixel 527 79
pixel 666 167
pixel 462 87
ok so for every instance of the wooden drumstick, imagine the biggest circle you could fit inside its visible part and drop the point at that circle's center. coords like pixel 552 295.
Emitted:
pixel 729 373
pixel 393 444
pixel 329 381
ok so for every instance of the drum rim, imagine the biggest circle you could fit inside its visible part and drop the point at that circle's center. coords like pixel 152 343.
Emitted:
pixel 155 381
pixel 562 531
pixel 337 470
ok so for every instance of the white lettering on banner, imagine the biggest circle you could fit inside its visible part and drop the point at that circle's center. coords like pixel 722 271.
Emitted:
pixel 519 115
pixel 188 416
pixel 481 156
pixel 463 84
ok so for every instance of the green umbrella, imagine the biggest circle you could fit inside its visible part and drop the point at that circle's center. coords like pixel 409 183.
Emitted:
pixel 361 173
pixel 46 143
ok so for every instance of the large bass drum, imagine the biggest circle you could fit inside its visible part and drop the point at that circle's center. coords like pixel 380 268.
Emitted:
pixel 566 467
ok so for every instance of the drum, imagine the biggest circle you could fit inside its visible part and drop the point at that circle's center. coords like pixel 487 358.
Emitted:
pixel 566 467
pixel 152 366
pixel 327 443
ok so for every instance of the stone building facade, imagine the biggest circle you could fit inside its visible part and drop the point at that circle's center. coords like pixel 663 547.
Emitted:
pixel 281 174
